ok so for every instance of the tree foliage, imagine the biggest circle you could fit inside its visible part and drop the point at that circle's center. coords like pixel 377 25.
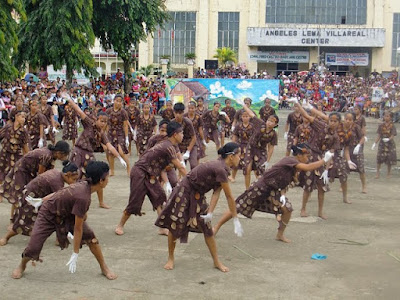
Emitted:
pixel 225 55
pixel 58 33
pixel 10 10
pixel 121 25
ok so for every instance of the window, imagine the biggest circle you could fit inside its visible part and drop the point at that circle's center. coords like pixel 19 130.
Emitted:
pixel 396 40
pixel 177 38
pixel 228 30
pixel 317 11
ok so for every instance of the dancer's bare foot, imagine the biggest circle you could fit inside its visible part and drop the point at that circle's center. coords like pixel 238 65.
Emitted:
pixel 109 275
pixel 323 217
pixel 377 176
pixel 163 231
pixel 103 205
pixel 280 237
pixel 389 176
pixel 231 179
pixel 18 272
pixel 119 230
pixel 3 242
pixel 112 173
pixel 303 214
pixel 221 267
pixel 169 265
pixel 364 190
pixel 346 201
pixel 56 243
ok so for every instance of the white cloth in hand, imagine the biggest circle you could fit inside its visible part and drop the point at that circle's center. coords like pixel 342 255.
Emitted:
pixel 123 163
pixel 265 165
pixel 183 163
pixel 324 177
pixel 70 236
pixel 373 146
pixel 222 113
pixel 62 123
pixel 237 227
pixel 205 143
pixel 35 202
pixel 168 189
pixel 328 156
pixel 72 262
pixel 282 200
pixel 351 165
pixel 186 155
pixel 365 139
pixel 285 135
pixel 46 130
pixel 385 140
pixel 127 142
pixel 207 218
pixel 356 149
pixel 293 100
pixel 55 130
pixel 40 144
pixel 78 124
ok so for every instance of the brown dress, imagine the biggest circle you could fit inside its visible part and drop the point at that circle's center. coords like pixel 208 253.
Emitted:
pixel 197 122
pixel 70 130
pixel 188 134
pixel 12 142
pixel 23 172
pixel 386 151
pixel 256 152
pixel 230 111
pixel 355 135
pixel 57 214
pixel 321 140
pixel 302 133
pixel 133 115
pixel 238 115
pixel 264 194
pixel 243 134
pixel 339 168
pixel 90 140
pixel 188 201
pixel 116 134
pixel 200 112
pixel 167 114
pixel 360 122
pixel 47 112
pixel 145 129
pixel 211 126
pixel 33 123
pixel 293 120
pixel 45 184
pixel 144 177
pixel 265 112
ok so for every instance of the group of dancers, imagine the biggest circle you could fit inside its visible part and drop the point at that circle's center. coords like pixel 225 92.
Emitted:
pixel 320 148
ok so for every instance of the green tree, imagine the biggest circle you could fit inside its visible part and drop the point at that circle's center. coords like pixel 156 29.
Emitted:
pixel 225 55
pixel 10 10
pixel 58 33
pixel 121 25
pixel 146 71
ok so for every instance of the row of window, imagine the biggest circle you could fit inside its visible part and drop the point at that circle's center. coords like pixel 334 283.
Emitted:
pixel 396 40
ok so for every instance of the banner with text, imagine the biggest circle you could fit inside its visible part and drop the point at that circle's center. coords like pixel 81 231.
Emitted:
pixel 347 59
pixel 280 56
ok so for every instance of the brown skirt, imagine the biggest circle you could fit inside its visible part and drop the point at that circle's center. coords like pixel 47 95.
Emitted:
pixel 34 140
pixel 290 140
pixel 70 131
pixel 201 153
pixel 213 135
pixel 142 140
pixel 118 140
pixel 256 157
pixel 311 179
pixel 141 185
pixel 358 159
pixel 81 158
pixel 24 217
pixel 182 212
pixel 387 153
pixel 339 168
pixel 14 184
pixel 7 162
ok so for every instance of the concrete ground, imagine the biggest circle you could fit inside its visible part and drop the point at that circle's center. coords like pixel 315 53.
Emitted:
pixel 260 267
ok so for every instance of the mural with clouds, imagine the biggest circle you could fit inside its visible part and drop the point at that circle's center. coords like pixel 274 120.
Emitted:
pixel 221 89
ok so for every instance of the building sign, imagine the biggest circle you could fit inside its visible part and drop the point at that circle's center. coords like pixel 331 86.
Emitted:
pixel 377 94
pixel 347 59
pixel 280 56
pixel 337 37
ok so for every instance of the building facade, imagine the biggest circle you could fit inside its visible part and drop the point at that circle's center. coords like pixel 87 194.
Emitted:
pixel 357 36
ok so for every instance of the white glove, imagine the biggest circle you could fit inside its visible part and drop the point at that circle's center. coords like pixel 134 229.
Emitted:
pixel 324 177
pixel 186 155
pixel 265 165
pixel 351 165
pixel 122 161
pixel 240 102
pixel 293 100
pixel 62 123
pixel 285 136
pixel 385 140
pixel 282 200
pixel 204 143
pixel 365 139
pixel 342 153
pixel 168 189
pixel 183 163
pixel 131 129
pixel 134 135
pixel 356 149
pixel 35 202
pixel 127 141
pixel 233 128
pixel 78 124
pixel 72 262
pixel 55 130
pixel 307 105
pixel 207 218
pixel 222 113
pixel 373 146
pixel 40 144
pixel 46 130
pixel 328 156
pixel 238 227
pixel 70 236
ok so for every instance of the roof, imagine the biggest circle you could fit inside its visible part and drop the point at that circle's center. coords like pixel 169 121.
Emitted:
pixel 196 87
